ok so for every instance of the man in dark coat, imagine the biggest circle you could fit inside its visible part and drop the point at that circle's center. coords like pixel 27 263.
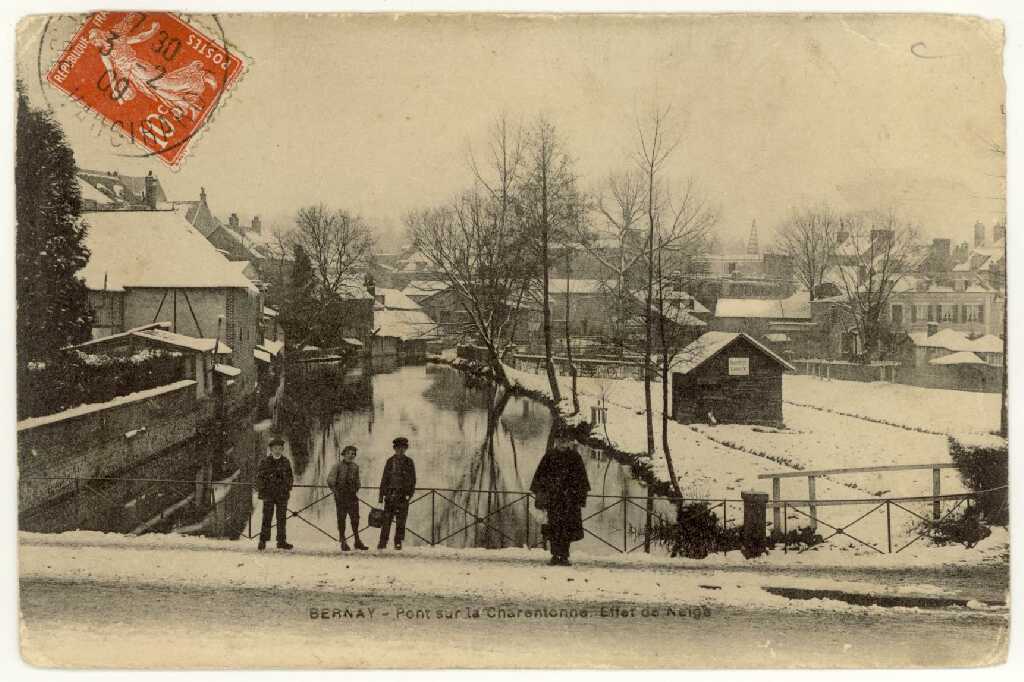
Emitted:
pixel 274 482
pixel 560 487
pixel 396 488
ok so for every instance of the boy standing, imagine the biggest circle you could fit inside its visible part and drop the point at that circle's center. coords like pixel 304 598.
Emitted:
pixel 396 487
pixel 274 484
pixel 343 480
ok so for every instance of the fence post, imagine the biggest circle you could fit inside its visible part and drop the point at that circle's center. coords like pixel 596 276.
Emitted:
pixel 78 504
pixel 755 506
pixel 526 501
pixel 776 494
pixel 647 522
pixel 936 491
pixel 625 537
pixel 433 524
pixel 812 497
pixel 888 524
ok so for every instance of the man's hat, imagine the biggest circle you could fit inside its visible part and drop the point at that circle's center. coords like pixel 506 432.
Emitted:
pixel 276 440
pixel 400 442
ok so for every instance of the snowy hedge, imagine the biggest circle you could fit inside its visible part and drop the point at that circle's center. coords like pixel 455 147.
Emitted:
pixel 77 378
pixel 983 462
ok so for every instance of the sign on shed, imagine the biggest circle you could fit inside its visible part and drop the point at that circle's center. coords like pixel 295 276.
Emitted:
pixel 739 367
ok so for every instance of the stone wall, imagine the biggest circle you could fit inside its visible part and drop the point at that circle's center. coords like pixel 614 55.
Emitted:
pixel 102 440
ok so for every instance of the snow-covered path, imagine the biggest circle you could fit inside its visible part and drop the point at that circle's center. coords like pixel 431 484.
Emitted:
pixel 211 605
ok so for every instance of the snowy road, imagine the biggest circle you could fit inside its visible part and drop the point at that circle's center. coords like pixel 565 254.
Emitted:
pixel 200 627
pixel 215 603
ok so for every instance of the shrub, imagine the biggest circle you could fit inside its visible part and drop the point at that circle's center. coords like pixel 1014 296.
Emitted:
pixel 696 533
pixel 797 539
pixel 77 378
pixel 964 528
pixel 983 462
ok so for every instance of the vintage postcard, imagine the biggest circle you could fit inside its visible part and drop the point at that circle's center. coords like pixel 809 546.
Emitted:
pixel 522 341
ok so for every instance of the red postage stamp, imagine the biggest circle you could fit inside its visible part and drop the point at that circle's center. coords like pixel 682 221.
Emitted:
pixel 151 75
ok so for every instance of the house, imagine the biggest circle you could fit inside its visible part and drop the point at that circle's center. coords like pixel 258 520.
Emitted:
pixel 111 191
pixel 152 265
pixel 728 377
pixel 974 308
pixel 401 327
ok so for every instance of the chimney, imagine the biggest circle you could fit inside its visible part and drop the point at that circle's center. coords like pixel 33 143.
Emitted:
pixel 233 221
pixel 933 328
pixel 202 195
pixel 979 234
pixel 150 191
pixel 998 232
pixel 257 225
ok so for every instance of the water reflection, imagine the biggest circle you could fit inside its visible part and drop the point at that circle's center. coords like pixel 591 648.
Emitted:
pixel 475 444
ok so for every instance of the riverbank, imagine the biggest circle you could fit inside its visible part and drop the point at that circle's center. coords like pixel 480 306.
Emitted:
pixel 721 461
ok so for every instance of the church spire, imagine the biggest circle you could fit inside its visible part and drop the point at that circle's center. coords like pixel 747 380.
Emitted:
pixel 753 248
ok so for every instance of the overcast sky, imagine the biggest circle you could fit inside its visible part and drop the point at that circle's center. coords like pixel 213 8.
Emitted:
pixel 376 114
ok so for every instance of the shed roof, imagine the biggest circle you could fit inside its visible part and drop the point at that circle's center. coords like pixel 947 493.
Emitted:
pixel 396 300
pixel 947 338
pixel 711 344
pixel 153 249
pixel 404 324
pixel 796 307
pixel 961 358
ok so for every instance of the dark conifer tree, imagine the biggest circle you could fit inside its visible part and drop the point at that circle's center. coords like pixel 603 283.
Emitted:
pixel 52 303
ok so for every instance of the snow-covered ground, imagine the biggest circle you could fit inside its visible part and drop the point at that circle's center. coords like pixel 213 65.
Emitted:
pixel 165 559
pixel 930 409
pixel 216 604
pixel 721 461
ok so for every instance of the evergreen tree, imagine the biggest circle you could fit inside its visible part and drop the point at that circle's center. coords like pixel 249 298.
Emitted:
pixel 299 313
pixel 52 303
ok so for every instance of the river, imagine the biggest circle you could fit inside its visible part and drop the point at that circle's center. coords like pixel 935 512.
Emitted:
pixel 475 446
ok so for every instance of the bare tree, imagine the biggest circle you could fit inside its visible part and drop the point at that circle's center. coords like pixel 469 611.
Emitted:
pixel 479 257
pixel 809 238
pixel 337 244
pixel 549 201
pixel 677 223
pixel 615 245
pixel 879 252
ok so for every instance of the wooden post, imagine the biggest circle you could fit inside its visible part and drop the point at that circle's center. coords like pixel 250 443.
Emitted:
pixel 936 491
pixel 754 516
pixel 812 497
pixel 625 522
pixel 888 524
pixel 776 512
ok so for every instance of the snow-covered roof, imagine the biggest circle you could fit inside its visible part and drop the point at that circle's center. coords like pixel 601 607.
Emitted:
pixel 153 249
pixel 181 341
pixel 396 300
pixel 987 344
pixel 226 370
pixel 424 287
pixel 272 347
pixel 261 355
pixel 269 312
pixel 796 307
pixel 90 193
pixel 711 344
pixel 961 358
pixel 777 337
pixel 404 324
pixel 577 286
pixel 949 339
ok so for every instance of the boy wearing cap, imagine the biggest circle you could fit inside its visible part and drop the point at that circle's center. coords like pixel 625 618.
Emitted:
pixel 343 480
pixel 274 484
pixel 396 488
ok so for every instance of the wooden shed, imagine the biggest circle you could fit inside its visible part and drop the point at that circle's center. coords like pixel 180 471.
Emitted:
pixel 732 377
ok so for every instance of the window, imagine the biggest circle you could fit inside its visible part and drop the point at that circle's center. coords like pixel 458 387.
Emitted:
pixel 948 313
pixel 970 313
pixel 897 313
pixel 931 313
pixel 981 312
pixel 919 312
